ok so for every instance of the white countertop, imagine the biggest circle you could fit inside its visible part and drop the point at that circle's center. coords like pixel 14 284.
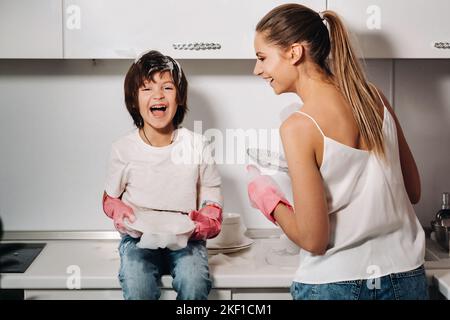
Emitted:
pixel 97 262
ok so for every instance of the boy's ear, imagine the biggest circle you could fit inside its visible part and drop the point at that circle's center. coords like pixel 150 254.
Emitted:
pixel 297 53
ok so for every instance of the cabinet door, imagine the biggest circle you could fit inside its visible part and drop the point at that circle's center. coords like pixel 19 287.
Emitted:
pixel 182 29
pixel 397 29
pixel 261 294
pixel 30 29
pixel 214 294
pixel 73 295
pixel 116 294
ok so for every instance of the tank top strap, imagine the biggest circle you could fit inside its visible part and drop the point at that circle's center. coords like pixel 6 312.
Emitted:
pixel 312 119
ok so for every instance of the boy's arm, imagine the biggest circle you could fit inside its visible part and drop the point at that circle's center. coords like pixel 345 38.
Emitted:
pixel 208 219
pixel 112 204
pixel 209 183
pixel 115 178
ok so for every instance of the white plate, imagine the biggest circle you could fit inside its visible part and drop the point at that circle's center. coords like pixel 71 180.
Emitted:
pixel 161 222
pixel 229 250
pixel 245 243
pixel 162 229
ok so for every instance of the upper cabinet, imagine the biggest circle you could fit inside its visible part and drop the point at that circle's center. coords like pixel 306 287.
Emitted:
pixel 207 29
pixel 31 29
pixel 194 29
pixel 399 28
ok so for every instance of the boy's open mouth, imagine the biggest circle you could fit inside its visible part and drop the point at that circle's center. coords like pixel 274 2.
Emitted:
pixel 158 110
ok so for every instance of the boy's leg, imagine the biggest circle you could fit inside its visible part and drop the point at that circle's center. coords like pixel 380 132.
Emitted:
pixel 140 271
pixel 190 271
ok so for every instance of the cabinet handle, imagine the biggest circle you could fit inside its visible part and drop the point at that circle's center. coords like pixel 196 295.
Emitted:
pixel 196 46
pixel 442 45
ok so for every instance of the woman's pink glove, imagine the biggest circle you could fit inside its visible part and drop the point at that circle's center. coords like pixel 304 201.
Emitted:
pixel 264 193
pixel 208 222
pixel 118 211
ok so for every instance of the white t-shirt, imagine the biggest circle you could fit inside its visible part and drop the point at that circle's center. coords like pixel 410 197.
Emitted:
pixel 180 176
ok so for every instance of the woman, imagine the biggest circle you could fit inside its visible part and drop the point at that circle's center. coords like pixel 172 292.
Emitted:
pixel 353 176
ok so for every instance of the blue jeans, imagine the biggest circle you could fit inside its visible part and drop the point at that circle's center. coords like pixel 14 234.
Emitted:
pixel 141 269
pixel 410 285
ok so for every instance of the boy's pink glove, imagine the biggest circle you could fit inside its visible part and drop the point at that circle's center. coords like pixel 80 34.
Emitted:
pixel 264 193
pixel 208 222
pixel 118 211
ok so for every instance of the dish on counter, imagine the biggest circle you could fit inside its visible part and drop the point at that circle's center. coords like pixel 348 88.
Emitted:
pixel 230 250
pixel 216 248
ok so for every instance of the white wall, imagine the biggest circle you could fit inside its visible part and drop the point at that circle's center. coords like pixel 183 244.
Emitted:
pixel 422 99
pixel 59 117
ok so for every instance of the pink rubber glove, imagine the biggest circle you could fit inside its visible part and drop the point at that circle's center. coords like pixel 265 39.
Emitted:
pixel 118 211
pixel 208 222
pixel 264 193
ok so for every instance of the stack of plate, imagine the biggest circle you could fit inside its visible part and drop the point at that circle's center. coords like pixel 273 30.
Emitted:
pixel 215 248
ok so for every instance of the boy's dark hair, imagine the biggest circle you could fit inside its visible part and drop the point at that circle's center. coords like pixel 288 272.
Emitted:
pixel 145 68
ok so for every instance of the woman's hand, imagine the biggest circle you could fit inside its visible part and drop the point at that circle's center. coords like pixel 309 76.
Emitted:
pixel 264 193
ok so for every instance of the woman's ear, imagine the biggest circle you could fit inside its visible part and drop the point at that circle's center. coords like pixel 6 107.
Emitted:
pixel 297 53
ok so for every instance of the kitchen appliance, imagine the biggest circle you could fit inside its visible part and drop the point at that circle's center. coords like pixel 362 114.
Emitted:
pixel 441 234
pixel 441 224
pixel 443 215
pixel 17 257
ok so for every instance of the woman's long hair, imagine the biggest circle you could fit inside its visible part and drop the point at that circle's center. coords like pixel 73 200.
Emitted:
pixel 332 52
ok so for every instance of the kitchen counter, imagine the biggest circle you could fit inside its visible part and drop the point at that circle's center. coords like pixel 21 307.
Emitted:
pixel 97 263
pixel 94 264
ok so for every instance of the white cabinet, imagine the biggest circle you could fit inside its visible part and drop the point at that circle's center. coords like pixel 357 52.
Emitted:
pixel 261 294
pixel 104 294
pixel 398 29
pixel 207 29
pixel 73 294
pixel 194 29
pixel 214 294
pixel 31 29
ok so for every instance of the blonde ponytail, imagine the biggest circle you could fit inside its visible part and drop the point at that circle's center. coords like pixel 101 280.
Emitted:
pixel 352 82
pixel 291 23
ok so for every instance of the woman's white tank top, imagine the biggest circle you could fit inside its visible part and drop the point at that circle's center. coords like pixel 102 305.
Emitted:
pixel 374 230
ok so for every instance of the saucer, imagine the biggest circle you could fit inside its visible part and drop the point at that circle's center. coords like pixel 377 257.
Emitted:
pixel 246 242
pixel 229 250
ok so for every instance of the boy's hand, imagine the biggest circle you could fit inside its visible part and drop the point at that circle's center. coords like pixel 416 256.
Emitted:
pixel 208 222
pixel 264 193
pixel 119 211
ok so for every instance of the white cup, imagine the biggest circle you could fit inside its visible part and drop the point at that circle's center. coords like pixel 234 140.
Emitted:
pixel 232 232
